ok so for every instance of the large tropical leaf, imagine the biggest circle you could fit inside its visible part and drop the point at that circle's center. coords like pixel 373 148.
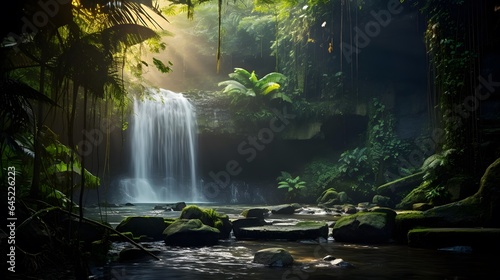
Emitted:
pixel 242 76
pixel 253 78
pixel 273 77
pixel 269 87
pixel 235 87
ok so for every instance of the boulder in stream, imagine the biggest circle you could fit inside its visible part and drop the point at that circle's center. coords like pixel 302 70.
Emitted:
pixel 365 227
pixel 285 209
pixel 190 233
pixel 273 257
pixel 298 231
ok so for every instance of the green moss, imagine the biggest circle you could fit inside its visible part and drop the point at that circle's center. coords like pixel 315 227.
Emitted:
pixel 116 237
pixel 143 225
pixel 328 197
pixel 169 221
pixel 209 217
pixel 376 219
pixel 309 224
pixel 188 225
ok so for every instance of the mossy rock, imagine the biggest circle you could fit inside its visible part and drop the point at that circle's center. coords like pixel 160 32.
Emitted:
pixel 389 211
pixel 328 198
pixel 285 209
pixel 143 225
pixel 117 238
pixel 479 210
pixel 190 233
pixel 259 213
pixel 408 220
pixel 364 227
pixel 169 221
pixel 417 195
pixel 383 201
pixel 299 231
pixel 278 257
pixel 210 218
pixel 465 213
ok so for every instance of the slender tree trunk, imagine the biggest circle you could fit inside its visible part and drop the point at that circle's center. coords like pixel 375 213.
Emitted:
pixel 35 182
pixel 83 154
pixel 71 141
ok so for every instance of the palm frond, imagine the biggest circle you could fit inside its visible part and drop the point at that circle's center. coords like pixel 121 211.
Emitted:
pixel 134 12
pixel 118 37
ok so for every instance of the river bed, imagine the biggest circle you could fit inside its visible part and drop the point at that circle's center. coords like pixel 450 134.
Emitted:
pixel 232 258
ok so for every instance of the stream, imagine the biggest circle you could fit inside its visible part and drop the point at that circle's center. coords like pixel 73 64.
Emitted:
pixel 232 258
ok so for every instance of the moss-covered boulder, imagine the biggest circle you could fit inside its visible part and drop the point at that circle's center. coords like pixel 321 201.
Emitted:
pixel 381 200
pixel 328 198
pixel 285 209
pixel 408 220
pixel 397 188
pixel 454 189
pixel 479 210
pixel 417 195
pixel 190 233
pixel 298 231
pixel 144 225
pixel 273 257
pixel 246 222
pixel 209 217
pixel 365 227
pixel 259 213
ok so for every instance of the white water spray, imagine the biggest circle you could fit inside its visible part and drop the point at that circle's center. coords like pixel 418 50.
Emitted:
pixel 163 147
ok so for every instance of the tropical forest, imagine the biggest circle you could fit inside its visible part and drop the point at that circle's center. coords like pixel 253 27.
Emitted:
pixel 250 139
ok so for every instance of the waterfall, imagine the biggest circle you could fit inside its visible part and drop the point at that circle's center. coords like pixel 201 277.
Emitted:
pixel 163 150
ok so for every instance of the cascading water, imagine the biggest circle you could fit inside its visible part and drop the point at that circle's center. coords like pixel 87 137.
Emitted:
pixel 163 148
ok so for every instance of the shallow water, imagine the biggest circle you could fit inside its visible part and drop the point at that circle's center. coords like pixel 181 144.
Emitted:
pixel 232 259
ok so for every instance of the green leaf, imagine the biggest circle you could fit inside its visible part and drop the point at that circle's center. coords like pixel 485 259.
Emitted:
pixel 253 78
pixel 161 66
pixel 282 96
pixel 269 87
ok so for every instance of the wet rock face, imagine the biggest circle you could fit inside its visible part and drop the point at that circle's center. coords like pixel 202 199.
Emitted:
pixel 273 257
